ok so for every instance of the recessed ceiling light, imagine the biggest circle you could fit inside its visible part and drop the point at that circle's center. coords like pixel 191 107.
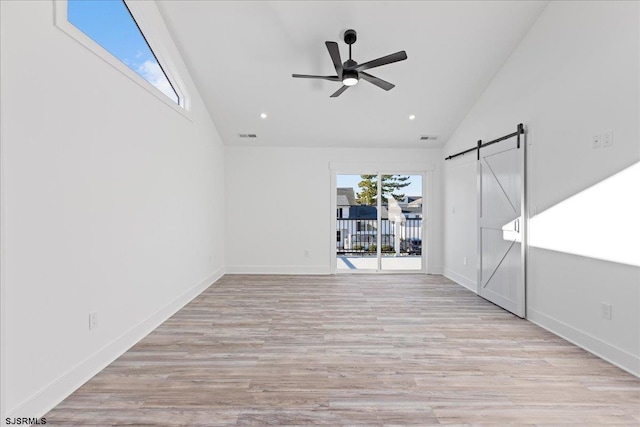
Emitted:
pixel 411 117
pixel 263 115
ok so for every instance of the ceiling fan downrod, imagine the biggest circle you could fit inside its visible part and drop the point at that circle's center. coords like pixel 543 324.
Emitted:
pixel 350 37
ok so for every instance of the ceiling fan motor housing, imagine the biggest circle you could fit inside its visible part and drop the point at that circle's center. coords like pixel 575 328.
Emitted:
pixel 349 63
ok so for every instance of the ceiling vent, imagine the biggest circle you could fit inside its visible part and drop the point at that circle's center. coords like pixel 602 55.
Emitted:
pixel 248 135
pixel 428 137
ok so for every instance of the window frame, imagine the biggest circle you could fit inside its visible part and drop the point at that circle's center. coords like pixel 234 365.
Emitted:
pixel 157 41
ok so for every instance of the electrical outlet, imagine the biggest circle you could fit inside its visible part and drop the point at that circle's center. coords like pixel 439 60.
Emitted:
pixel 606 311
pixel 93 320
pixel 607 139
pixel 595 142
pixel 306 253
pixel 464 260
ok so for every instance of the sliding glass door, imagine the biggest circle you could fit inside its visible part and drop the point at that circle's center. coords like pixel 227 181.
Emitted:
pixel 356 223
pixel 401 223
pixel 379 222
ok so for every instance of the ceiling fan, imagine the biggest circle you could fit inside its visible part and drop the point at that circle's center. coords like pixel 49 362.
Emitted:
pixel 351 72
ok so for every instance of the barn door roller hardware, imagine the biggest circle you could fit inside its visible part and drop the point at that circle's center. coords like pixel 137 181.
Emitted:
pixel 517 133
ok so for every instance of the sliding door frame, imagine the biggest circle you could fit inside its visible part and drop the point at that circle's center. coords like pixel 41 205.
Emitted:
pixel 424 170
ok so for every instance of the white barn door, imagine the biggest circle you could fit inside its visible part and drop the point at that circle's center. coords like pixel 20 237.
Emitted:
pixel 501 234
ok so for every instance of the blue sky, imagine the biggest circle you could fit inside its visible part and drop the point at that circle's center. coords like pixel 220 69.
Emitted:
pixel 415 189
pixel 109 23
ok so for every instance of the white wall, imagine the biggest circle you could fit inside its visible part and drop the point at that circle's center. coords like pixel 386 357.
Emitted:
pixel 575 75
pixel 278 205
pixel 111 202
pixel 460 234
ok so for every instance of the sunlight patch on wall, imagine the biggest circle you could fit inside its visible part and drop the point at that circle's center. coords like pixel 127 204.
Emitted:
pixel 600 222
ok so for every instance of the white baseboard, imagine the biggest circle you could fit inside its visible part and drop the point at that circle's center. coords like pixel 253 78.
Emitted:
pixel 604 350
pixel 436 270
pixel 461 280
pixel 277 269
pixel 54 393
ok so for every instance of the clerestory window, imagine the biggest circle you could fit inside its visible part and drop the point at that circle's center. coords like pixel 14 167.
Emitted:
pixel 111 24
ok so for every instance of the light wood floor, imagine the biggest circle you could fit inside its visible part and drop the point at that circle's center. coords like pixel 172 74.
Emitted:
pixel 351 350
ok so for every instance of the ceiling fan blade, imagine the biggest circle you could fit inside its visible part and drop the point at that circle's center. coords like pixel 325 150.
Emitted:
pixel 339 91
pixel 394 57
pixel 306 76
pixel 334 51
pixel 376 81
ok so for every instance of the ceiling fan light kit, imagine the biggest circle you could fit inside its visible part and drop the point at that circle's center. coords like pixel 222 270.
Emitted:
pixel 349 78
pixel 350 72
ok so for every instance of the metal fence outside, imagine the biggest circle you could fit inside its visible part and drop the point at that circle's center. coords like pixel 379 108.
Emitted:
pixel 360 236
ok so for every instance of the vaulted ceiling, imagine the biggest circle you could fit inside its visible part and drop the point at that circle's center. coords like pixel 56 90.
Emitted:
pixel 241 56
